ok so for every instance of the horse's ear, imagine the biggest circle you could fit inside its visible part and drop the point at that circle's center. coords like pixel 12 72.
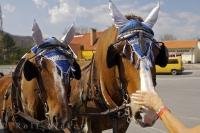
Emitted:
pixel 118 18
pixel 30 70
pixel 163 56
pixel 37 34
pixel 69 35
pixel 153 16
pixel 112 57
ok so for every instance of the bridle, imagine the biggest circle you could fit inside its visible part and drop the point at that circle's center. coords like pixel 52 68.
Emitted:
pixel 136 33
pixel 138 50
pixel 21 119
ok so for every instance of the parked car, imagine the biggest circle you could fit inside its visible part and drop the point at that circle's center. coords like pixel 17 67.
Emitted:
pixel 174 66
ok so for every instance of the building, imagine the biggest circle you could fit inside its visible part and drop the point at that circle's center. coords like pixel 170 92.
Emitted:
pixel 189 49
pixel 84 45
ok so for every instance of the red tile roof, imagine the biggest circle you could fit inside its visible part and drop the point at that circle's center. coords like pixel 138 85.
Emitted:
pixel 181 43
pixel 83 40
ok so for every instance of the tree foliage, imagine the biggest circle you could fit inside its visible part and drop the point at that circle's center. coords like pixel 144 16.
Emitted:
pixel 167 37
pixel 8 42
pixel 9 52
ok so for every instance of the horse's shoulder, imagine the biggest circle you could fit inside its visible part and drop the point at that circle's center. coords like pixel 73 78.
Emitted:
pixel 6 78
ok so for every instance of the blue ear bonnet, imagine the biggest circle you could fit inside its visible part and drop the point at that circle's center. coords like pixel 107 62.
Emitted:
pixel 58 55
pixel 135 25
pixel 60 59
pixel 130 33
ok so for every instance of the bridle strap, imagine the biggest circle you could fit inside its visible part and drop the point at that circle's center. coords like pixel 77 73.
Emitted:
pixel 16 89
pixel 41 89
pixel 18 112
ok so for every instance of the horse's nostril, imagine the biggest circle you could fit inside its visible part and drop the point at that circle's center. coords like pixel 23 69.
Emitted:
pixel 145 117
pixel 138 115
pixel 55 120
pixel 139 118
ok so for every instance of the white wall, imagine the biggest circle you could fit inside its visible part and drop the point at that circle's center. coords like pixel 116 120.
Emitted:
pixel 186 57
pixel 198 53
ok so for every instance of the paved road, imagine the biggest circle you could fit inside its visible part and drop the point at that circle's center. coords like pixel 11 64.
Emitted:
pixel 181 93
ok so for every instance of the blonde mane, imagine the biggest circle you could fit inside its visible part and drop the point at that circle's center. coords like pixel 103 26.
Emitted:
pixel 109 77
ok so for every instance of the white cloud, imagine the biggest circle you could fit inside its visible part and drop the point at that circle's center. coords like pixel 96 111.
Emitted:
pixel 40 3
pixel 65 10
pixel 98 14
pixel 183 25
pixel 9 8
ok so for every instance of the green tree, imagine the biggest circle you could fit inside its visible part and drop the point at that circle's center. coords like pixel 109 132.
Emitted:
pixel 7 47
pixel 10 53
pixel 8 42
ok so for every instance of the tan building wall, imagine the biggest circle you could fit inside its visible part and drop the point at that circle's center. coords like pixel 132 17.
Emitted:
pixel 190 55
pixel 189 49
pixel 198 52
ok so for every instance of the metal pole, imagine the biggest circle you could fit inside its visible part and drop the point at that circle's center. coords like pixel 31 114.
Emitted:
pixel 1 20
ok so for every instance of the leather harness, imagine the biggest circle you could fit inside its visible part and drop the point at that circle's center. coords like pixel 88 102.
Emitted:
pixel 16 113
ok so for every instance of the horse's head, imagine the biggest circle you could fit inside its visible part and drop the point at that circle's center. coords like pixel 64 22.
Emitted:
pixel 53 65
pixel 135 42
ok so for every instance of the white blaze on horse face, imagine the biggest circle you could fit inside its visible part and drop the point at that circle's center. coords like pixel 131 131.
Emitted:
pixel 59 85
pixel 148 116
pixel 146 82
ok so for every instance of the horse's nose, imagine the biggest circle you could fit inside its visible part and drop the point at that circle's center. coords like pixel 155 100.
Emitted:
pixel 145 117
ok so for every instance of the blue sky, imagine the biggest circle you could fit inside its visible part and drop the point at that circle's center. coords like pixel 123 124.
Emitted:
pixel 180 18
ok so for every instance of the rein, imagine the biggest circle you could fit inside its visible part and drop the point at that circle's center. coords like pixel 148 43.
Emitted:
pixel 16 113
pixel 123 87
pixel 21 119
pixel 94 93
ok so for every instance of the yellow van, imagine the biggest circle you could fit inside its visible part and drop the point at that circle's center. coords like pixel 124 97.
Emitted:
pixel 87 54
pixel 174 66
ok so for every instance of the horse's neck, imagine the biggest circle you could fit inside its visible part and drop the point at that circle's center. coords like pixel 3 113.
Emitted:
pixel 100 85
pixel 109 84
pixel 108 77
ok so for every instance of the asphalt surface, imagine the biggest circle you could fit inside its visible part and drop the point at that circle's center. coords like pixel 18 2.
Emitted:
pixel 181 93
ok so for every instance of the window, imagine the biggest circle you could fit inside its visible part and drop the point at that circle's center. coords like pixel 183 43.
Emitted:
pixel 173 61
pixel 81 47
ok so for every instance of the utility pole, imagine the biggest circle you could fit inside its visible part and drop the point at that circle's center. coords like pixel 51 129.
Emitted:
pixel 1 20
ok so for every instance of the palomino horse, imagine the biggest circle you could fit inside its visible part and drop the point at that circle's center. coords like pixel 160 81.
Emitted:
pixel 5 87
pixel 124 62
pixel 5 83
pixel 40 90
